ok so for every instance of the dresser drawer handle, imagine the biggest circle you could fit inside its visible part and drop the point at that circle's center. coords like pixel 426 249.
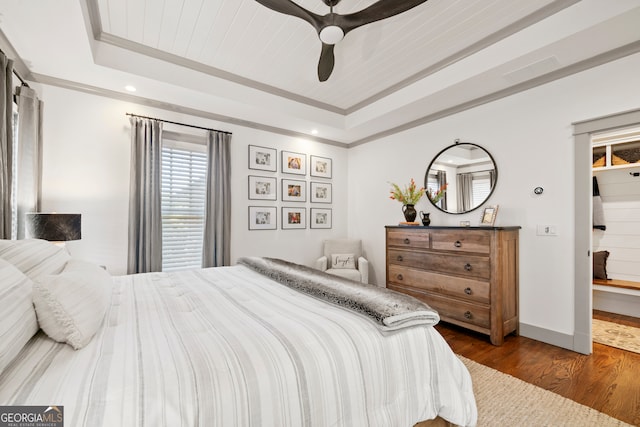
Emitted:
pixel 467 267
pixel 399 276
pixel 407 241
pixel 467 291
pixel 458 244
pixel 468 315
pixel 399 258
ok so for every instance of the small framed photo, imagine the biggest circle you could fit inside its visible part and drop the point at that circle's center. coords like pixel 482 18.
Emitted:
pixel 320 218
pixel 294 218
pixel 489 216
pixel 262 218
pixel 263 158
pixel 320 192
pixel 321 166
pixel 262 188
pixel 295 163
pixel 294 190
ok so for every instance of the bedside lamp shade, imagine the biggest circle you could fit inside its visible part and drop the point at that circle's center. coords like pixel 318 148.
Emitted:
pixel 54 227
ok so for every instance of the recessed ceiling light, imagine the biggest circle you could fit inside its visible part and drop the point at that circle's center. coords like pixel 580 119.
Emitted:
pixel 314 131
pixel 130 88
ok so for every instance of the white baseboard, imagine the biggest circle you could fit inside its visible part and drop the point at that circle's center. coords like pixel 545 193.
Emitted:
pixel 614 302
pixel 555 338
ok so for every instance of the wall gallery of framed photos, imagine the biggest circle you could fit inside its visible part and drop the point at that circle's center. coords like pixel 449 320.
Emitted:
pixel 281 199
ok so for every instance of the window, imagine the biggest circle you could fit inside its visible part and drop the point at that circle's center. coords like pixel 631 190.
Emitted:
pixel 184 173
pixel 481 189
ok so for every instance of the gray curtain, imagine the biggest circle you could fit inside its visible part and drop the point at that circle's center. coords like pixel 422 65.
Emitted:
pixel 29 159
pixel 6 145
pixel 145 209
pixel 464 182
pixel 216 250
pixel 441 176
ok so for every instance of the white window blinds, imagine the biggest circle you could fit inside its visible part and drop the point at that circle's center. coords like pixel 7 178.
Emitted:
pixel 184 172
pixel 481 189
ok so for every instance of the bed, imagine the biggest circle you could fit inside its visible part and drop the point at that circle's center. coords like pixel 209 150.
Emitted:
pixel 226 346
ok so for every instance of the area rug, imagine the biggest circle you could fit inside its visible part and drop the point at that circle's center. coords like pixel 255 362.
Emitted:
pixel 615 335
pixel 504 400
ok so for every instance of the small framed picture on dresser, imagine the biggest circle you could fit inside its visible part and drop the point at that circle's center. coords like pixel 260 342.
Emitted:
pixel 489 216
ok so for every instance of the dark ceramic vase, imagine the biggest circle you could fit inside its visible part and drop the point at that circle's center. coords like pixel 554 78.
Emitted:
pixel 425 218
pixel 409 212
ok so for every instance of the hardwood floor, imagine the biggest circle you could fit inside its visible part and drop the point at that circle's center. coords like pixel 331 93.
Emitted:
pixel 607 380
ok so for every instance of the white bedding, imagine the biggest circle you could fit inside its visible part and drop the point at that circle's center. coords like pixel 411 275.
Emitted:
pixel 229 347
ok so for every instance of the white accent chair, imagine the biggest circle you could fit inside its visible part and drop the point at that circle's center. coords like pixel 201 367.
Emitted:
pixel 339 251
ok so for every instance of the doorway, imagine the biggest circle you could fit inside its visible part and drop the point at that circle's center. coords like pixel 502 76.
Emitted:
pixel 583 288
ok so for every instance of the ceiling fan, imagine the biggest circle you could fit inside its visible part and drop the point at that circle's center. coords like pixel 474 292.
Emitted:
pixel 332 28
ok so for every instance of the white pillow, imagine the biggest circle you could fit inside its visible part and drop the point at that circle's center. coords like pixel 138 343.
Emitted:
pixel 18 320
pixel 71 305
pixel 34 257
pixel 343 261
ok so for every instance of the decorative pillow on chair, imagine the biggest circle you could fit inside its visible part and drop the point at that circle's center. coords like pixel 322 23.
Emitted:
pixel 600 264
pixel 71 305
pixel 343 261
pixel 18 320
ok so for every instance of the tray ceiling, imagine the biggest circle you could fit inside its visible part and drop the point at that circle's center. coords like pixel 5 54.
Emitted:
pixel 249 63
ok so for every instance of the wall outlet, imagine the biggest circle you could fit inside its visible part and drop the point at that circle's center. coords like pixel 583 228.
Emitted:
pixel 547 230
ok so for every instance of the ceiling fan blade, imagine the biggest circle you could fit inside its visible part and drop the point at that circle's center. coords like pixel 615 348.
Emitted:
pixel 378 11
pixel 288 7
pixel 326 63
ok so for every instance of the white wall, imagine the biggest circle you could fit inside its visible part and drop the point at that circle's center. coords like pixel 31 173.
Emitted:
pixel 86 170
pixel 530 137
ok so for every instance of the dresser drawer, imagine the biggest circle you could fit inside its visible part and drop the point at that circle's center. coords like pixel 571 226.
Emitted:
pixel 451 308
pixel 458 287
pixel 476 241
pixel 414 239
pixel 455 264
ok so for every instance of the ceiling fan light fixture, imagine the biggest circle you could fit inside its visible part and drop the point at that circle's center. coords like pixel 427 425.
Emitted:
pixel 331 34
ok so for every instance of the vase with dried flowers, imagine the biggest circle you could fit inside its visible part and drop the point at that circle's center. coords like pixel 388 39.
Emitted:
pixel 408 196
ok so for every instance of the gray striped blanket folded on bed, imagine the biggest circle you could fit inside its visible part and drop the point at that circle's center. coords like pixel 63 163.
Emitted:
pixel 388 309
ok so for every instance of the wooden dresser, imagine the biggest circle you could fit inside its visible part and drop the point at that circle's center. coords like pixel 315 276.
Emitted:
pixel 468 274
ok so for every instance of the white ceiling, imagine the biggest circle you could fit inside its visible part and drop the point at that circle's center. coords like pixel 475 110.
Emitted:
pixel 239 62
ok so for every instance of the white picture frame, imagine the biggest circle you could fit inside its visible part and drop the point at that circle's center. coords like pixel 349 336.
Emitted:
pixel 263 158
pixel 263 218
pixel 294 190
pixel 321 192
pixel 321 166
pixel 262 188
pixel 320 218
pixel 294 163
pixel 294 218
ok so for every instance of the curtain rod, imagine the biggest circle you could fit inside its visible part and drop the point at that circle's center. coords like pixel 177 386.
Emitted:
pixel 14 71
pixel 180 124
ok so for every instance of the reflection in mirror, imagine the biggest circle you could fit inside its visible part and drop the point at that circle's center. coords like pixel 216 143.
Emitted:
pixel 460 178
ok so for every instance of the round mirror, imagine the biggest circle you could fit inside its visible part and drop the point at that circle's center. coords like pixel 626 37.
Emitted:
pixel 460 178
